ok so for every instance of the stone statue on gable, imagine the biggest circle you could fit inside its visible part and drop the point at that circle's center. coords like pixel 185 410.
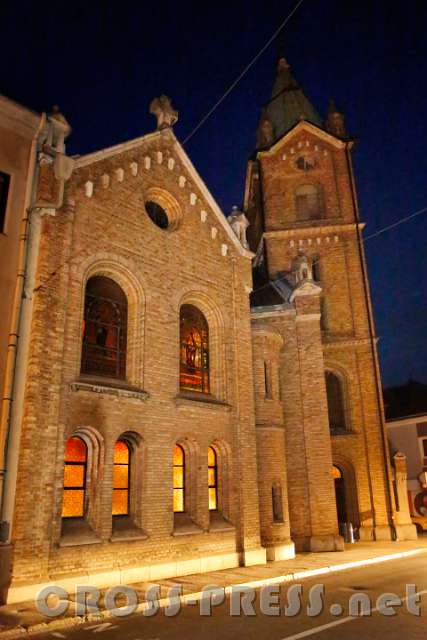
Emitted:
pixel 166 115
pixel 302 268
pixel 239 223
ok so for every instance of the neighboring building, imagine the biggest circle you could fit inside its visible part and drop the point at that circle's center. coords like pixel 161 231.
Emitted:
pixel 19 130
pixel 406 414
pixel 173 424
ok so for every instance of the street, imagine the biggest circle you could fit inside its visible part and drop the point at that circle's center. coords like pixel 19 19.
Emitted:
pixel 391 577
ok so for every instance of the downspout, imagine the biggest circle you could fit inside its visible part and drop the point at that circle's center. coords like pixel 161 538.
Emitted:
pixel 26 290
pixel 373 349
pixel 11 358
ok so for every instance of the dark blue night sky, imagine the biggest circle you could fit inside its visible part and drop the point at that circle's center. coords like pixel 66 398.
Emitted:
pixel 103 64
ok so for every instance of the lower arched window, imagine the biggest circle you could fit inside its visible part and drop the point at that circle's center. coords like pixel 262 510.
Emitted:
pixel 336 403
pixel 75 469
pixel 121 478
pixel 212 479
pixel 178 479
pixel 194 346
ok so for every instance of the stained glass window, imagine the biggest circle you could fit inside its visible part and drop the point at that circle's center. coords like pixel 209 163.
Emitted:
pixel 212 479
pixel 194 359
pixel 121 475
pixel 178 479
pixel 105 328
pixel 336 408
pixel 75 464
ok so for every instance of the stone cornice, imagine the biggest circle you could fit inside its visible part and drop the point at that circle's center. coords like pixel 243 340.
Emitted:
pixel 304 125
pixel 340 343
pixel 109 152
pixel 321 230
pixel 121 392
pixel 273 311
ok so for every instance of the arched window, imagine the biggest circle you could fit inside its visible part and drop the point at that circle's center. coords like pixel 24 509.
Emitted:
pixel 212 479
pixel 276 496
pixel 75 467
pixel 105 329
pixel 194 358
pixel 121 477
pixel 336 406
pixel 178 479
pixel 309 202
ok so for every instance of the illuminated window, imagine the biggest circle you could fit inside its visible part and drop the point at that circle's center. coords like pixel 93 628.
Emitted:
pixel 121 476
pixel 178 479
pixel 336 407
pixel 105 327
pixel 336 472
pixel 4 193
pixel 309 202
pixel 194 359
pixel 212 479
pixel 75 467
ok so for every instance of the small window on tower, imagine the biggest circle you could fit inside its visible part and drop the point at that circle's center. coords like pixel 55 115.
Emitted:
pixel 4 193
pixel 309 202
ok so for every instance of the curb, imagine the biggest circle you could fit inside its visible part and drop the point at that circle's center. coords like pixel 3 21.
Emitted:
pixel 102 616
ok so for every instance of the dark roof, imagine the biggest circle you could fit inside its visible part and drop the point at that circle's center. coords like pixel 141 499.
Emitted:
pixel 268 293
pixel 289 104
pixel 409 399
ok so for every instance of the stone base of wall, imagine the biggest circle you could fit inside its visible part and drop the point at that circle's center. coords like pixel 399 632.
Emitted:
pixel 281 552
pixel 20 592
pixel 326 543
pixel 253 556
pixel 406 532
pixel 318 544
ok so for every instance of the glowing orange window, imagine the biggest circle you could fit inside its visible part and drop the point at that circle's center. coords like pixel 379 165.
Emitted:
pixel 75 466
pixel 212 479
pixel 178 479
pixel 121 476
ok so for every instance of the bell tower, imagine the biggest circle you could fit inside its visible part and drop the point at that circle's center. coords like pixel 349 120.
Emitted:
pixel 301 200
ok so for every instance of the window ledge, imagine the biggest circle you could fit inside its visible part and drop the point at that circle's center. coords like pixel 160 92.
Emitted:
pixel 193 399
pixel 76 533
pixel 218 524
pixel 128 536
pixel 339 434
pixel 184 526
pixel 125 530
pixel 114 389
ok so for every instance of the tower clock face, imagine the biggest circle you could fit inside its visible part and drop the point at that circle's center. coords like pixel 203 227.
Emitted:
pixel 305 163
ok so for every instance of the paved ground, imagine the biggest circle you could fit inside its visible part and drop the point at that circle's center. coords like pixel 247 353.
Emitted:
pixel 373 580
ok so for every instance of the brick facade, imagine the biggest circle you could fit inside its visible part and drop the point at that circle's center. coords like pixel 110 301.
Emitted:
pixel 266 415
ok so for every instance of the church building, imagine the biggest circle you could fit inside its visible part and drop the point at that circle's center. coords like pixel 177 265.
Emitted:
pixel 202 392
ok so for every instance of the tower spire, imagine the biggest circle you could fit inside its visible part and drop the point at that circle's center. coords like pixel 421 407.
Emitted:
pixel 287 106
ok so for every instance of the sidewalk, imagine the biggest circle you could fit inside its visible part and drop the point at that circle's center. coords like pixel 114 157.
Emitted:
pixel 19 620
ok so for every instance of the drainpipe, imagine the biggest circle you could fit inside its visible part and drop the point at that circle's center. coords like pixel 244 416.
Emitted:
pixel 11 419
pixel 11 359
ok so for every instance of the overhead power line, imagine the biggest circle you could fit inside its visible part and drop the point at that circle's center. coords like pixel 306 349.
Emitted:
pixel 244 72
